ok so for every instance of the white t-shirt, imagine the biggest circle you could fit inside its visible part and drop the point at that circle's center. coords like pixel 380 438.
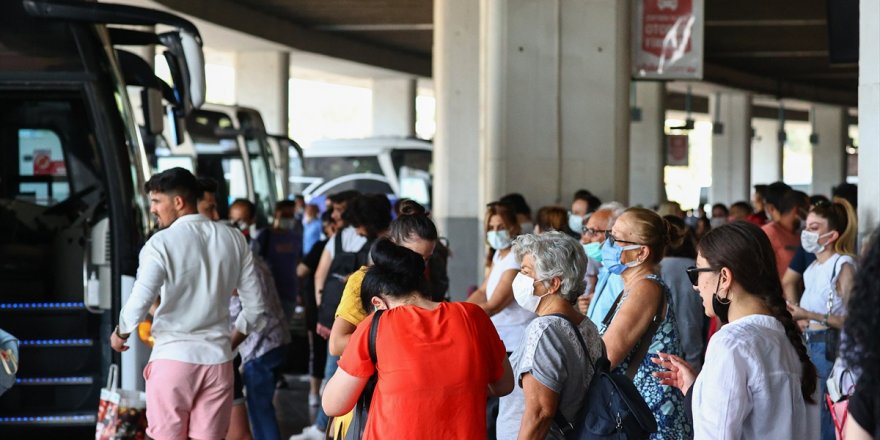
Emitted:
pixel 351 241
pixel 513 319
pixel 819 280
pixel 750 384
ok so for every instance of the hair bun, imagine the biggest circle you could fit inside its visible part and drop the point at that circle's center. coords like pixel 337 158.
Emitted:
pixel 411 207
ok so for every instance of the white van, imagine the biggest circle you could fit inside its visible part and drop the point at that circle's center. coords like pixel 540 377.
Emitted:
pixel 398 167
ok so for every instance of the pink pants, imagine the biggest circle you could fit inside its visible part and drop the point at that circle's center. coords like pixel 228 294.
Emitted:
pixel 188 400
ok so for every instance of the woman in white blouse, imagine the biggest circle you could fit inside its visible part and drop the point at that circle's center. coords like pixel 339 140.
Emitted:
pixel 757 376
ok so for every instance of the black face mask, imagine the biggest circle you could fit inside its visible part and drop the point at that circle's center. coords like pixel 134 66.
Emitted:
pixel 720 306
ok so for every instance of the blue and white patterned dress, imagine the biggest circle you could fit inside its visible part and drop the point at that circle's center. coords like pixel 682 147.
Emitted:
pixel 667 403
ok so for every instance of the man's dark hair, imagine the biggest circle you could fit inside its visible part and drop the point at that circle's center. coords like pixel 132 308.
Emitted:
pixel 327 216
pixel 721 207
pixel 343 196
pixel 817 199
pixel 761 189
pixel 176 182
pixel 794 200
pixel 285 204
pixel 593 202
pixel 743 205
pixel 252 209
pixel 774 194
pixel 370 211
pixel 518 202
pixel 207 185
pixel 848 191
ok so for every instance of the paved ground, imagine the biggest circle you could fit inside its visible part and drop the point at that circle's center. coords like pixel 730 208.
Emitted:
pixel 292 406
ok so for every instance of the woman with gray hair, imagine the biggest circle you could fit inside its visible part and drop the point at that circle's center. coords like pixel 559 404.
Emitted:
pixel 551 369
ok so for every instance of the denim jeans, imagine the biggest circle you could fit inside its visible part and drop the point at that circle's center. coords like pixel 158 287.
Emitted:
pixel 816 347
pixel 260 375
pixel 329 369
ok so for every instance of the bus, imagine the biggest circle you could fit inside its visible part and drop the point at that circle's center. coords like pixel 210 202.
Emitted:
pixel 73 213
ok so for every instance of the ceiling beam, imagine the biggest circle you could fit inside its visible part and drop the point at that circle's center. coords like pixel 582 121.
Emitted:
pixel 771 54
pixel 766 23
pixel 375 27
pixel 778 88
pixel 230 14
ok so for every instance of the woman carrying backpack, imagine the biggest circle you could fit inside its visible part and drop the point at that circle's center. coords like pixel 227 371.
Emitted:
pixel 757 375
pixel 552 367
pixel 435 361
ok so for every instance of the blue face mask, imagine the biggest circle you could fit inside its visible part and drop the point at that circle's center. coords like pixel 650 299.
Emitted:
pixel 575 223
pixel 498 239
pixel 611 257
pixel 594 251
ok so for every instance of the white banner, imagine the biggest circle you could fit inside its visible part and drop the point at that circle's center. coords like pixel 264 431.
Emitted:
pixel 667 39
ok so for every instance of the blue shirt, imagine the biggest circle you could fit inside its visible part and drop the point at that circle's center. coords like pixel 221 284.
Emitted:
pixel 608 288
pixel 311 234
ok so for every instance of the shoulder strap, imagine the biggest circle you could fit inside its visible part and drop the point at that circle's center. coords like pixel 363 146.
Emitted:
pixel 645 342
pixel 611 312
pixel 833 286
pixel 337 243
pixel 374 329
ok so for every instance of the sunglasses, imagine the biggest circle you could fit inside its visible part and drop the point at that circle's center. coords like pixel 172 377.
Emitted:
pixel 694 273
pixel 611 240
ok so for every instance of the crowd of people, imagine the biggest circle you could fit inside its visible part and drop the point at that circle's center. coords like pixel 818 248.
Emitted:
pixel 729 322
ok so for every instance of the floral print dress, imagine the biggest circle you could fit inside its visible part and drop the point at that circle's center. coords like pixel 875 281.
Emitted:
pixel 667 403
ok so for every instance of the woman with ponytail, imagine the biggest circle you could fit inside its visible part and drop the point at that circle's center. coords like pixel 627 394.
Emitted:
pixel 757 376
pixel 436 362
pixel 830 233
pixel 642 319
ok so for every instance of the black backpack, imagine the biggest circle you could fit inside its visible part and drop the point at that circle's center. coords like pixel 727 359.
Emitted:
pixel 343 265
pixel 613 408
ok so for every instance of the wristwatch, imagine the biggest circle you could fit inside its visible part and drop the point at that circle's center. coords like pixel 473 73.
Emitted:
pixel 120 335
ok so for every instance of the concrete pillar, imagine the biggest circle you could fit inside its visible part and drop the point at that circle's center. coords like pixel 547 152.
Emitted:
pixel 731 147
pixel 457 168
pixel 261 82
pixel 766 153
pixel 829 154
pixel 646 145
pixel 869 117
pixel 556 88
pixel 394 107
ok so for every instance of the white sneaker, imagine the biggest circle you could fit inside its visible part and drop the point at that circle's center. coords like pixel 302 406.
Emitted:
pixel 311 432
pixel 314 400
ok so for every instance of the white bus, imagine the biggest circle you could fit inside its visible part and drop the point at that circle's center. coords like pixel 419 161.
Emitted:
pixel 397 167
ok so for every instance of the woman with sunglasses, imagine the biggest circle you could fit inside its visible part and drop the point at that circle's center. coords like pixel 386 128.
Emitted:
pixel 757 376
pixel 642 319
pixel 830 234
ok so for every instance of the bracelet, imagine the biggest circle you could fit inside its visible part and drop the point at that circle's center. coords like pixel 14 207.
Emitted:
pixel 825 319
pixel 119 335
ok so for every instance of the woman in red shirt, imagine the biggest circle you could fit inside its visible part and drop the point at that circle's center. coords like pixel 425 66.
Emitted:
pixel 436 362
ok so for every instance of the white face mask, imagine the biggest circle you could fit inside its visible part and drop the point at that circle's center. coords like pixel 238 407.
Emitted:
pixel 498 239
pixel 810 241
pixel 524 292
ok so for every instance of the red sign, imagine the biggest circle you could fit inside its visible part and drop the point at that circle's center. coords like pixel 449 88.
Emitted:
pixel 662 21
pixel 42 163
pixel 667 39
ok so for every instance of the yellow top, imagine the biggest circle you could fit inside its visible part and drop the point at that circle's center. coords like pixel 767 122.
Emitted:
pixel 350 307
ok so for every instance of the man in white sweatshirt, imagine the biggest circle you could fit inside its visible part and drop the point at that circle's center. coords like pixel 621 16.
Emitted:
pixel 193 265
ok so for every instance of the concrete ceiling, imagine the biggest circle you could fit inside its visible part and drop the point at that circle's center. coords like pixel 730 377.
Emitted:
pixel 777 48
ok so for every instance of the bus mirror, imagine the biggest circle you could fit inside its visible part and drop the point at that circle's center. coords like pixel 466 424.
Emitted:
pixel 195 63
